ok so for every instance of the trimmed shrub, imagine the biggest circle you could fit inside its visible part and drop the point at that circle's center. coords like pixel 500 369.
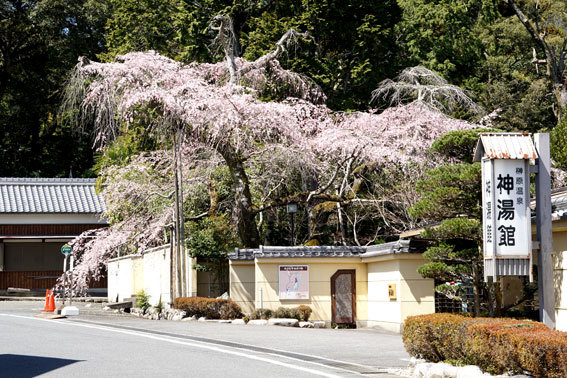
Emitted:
pixel 285 312
pixel 143 300
pixel 495 345
pixel 261 313
pixel 304 313
pixel 301 313
pixel 210 308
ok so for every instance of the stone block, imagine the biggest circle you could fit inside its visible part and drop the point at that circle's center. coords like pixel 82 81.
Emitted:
pixel 442 370
pixel 319 324
pixel 70 311
pixel 469 371
pixel 421 370
pixel 306 325
pixel 238 321
pixel 284 322
pixel 258 322
pixel 118 305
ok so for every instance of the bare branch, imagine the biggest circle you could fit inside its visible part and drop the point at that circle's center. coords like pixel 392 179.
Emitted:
pixel 226 39
pixel 288 39
pixel 423 85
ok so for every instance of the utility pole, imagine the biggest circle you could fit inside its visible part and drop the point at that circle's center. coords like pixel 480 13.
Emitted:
pixel 179 176
pixel 177 252
pixel 544 231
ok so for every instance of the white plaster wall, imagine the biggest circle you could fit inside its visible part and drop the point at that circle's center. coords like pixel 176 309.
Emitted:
pixel 121 277
pixel 560 289
pixel 414 294
pixel 127 275
pixel 383 312
pixel 156 275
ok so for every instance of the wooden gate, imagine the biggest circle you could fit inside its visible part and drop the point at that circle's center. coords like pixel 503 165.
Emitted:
pixel 343 297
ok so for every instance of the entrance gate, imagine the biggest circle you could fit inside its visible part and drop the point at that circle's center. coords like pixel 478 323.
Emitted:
pixel 343 297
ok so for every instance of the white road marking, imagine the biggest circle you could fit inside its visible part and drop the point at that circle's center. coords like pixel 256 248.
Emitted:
pixel 192 344
pixel 370 368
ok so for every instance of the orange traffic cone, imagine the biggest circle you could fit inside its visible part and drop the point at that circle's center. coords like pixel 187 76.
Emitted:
pixel 45 308
pixel 51 307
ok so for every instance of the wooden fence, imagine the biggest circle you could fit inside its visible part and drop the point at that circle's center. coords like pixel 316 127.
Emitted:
pixel 35 279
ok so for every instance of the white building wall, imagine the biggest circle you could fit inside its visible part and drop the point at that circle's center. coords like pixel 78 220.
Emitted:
pixel 150 271
pixel 414 294
pixel 121 280
pixel 156 275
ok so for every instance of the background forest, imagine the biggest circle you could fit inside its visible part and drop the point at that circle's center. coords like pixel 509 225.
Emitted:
pixel 479 45
pixel 499 64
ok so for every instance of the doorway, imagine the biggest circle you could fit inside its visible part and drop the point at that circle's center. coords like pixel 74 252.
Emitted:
pixel 343 297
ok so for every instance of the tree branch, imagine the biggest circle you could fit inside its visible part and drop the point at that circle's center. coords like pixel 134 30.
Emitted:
pixel 289 38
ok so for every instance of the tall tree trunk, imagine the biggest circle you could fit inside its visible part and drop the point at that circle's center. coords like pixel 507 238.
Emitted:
pixel 476 289
pixel 243 216
pixel 213 198
pixel 560 93
pixel 497 299
pixel 554 57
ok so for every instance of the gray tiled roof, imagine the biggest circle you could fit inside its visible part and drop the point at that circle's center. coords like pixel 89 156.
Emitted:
pixel 558 203
pixel 298 252
pixel 49 195
pixel 400 246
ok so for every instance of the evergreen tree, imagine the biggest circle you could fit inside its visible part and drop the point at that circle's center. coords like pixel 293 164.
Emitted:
pixel 452 197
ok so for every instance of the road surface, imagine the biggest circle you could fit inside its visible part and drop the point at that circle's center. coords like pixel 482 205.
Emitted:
pixel 95 345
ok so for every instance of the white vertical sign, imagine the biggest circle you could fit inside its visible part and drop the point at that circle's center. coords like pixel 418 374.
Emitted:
pixel 506 212
pixel 487 207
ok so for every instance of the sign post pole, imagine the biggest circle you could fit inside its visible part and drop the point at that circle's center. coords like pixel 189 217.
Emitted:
pixel 65 284
pixel 71 282
pixel 66 250
pixel 544 231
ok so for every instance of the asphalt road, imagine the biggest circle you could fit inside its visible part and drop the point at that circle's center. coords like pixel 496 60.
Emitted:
pixel 100 344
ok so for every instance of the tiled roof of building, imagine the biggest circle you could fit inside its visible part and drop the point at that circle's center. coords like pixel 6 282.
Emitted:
pixel 558 203
pixel 300 251
pixel 49 196
pixel 400 246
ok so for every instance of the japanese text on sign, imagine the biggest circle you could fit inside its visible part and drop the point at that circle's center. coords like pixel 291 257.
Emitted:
pixel 506 216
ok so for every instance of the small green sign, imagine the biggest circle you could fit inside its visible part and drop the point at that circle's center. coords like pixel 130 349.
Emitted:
pixel 66 249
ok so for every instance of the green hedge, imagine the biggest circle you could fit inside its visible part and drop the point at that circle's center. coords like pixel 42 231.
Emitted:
pixel 495 345
pixel 210 308
pixel 301 313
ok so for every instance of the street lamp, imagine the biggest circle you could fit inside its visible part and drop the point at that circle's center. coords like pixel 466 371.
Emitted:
pixel 291 210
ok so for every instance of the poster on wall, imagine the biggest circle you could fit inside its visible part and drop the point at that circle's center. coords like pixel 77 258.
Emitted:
pixel 293 281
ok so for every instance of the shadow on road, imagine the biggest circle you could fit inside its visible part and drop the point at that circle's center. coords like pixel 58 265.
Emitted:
pixel 17 365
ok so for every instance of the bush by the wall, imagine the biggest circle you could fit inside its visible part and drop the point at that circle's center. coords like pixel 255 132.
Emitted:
pixel 210 308
pixel 261 313
pixel 143 300
pixel 301 313
pixel 304 313
pixel 286 312
pixel 495 345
